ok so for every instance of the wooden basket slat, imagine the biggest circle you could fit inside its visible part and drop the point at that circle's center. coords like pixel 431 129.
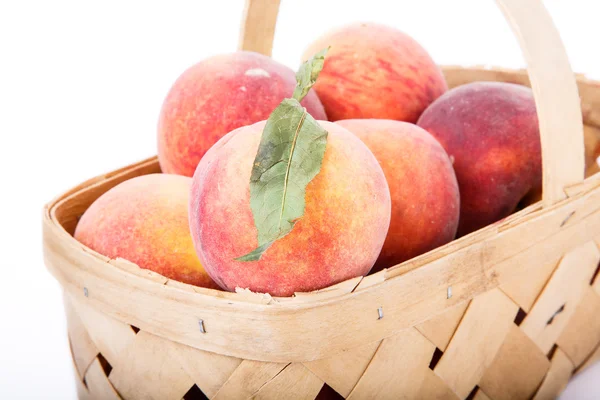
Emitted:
pixel 258 26
pixel 353 362
pixel 440 329
pixel 248 378
pixel 561 369
pixel 591 136
pixel 399 366
pixel 81 388
pixel 110 336
pixel 473 347
pixel 209 371
pixel 560 297
pixel 517 370
pixel 98 385
pixel 581 335
pixel 294 382
pixel 83 349
pixel 328 293
pixel 147 369
pixel 590 91
pixel 433 387
pixel 596 281
pixel 480 395
pixel 525 287
pixel 591 360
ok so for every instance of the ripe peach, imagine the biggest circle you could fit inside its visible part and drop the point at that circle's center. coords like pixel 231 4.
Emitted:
pixel 145 220
pixel 216 96
pixel 490 130
pixel 424 192
pixel 374 71
pixel 346 217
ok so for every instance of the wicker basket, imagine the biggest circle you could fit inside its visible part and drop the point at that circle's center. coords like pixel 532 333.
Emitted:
pixel 507 312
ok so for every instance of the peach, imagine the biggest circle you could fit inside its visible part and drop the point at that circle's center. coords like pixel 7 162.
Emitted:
pixel 216 96
pixel 340 235
pixel 490 130
pixel 423 187
pixel 374 71
pixel 145 220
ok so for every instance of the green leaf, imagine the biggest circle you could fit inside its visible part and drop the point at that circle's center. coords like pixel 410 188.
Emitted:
pixel 257 253
pixel 289 156
pixel 308 73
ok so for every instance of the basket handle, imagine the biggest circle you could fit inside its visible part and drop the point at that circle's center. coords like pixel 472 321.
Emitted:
pixel 552 81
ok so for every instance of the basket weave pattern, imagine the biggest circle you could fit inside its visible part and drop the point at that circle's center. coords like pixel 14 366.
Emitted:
pixel 512 342
pixel 506 361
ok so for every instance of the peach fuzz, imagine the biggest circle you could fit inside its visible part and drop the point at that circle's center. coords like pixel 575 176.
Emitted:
pixel 218 95
pixel 339 237
pixel 423 187
pixel 375 71
pixel 145 220
pixel 490 130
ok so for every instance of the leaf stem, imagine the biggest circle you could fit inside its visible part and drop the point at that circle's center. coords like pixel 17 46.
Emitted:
pixel 287 172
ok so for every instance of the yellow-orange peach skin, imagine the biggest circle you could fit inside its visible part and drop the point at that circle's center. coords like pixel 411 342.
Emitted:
pixel 423 187
pixel 375 71
pixel 340 235
pixel 145 220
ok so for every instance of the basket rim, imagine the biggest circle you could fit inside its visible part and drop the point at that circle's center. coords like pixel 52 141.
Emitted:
pixel 264 307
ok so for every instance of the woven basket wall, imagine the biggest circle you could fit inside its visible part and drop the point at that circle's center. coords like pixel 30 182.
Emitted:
pixel 508 312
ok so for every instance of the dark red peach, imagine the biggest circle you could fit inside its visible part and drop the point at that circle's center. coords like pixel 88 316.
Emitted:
pixel 490 131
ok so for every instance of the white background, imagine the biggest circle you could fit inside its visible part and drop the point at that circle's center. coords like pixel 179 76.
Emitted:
pixel 81 84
